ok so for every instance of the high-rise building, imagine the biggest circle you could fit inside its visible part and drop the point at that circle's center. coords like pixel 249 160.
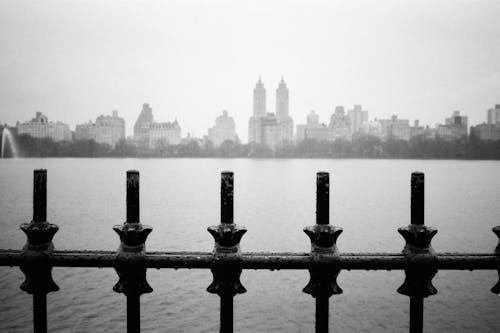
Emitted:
pixel 268 128
pixel 491 130
pixel 143 123
pixel 493 115
pixel 358 117
pixel 224 129
pixel 340 125
pixel 395 128
pixel 455 127
pixel 40 127
pixel 282 100
pixel 312 123
pixel 259 99
pixel 399 129
pixel 373 127
pixel 106 130
pixel 285 122
pixel 417 130
pixel 259 110
pixel 150 134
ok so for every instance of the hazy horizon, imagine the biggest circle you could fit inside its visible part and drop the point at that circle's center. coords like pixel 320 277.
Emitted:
pixel 76 60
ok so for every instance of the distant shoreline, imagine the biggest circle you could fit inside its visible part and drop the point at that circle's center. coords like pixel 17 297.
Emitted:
pixel 364 147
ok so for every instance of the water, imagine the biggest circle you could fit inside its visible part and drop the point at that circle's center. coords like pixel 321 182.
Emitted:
pixel 7 136
pixel 274 199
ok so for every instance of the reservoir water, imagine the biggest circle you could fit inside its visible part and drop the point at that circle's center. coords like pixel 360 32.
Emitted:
pixel 274 200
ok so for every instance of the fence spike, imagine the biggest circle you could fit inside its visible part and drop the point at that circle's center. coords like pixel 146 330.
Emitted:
pixel 418 281
pixel 323 281
pixel 227 235
pixel 37 252
pixel 130 260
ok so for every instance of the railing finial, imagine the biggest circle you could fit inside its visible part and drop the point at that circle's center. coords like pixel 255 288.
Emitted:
pixel 418 281
pixel 323 282
pixel 38 250
pixel 130 260
pixel 227 235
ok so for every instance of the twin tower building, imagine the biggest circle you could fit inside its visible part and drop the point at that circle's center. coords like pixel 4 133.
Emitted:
pixel 266 128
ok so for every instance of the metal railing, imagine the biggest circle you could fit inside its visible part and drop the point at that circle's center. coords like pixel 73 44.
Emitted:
pixel 418 259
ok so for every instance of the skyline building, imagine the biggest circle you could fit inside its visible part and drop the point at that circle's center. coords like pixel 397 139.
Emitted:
pixel 358 117
pixel 285 122
pixel 259 99
pixel 266 128
pixel 303 129
pixel 493 115
pixel 143 124
pixel 224 129
pixel 395 128
pixel 259 110
pixel 340 125
pixel 106 130
pixel 40 127
pixel 455 127
pixel 151 134
pixel 373 128
pixel 489 131
pixel 166 133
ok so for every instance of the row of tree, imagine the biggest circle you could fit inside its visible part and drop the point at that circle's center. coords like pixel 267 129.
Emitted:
pixel 361 147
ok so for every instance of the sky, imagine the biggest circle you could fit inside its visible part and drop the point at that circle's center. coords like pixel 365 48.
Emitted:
pixel 76 60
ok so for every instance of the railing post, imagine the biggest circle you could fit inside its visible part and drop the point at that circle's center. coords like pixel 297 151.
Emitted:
pixel 323 281
pixel 131 255
pixel 227 235
pixel 496 288
pixel 37 252
pixel 418 281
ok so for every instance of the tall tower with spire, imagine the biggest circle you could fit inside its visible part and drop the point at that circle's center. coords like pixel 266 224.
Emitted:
pixel 259 99
pixel 285 122
pixel 282 100
pixel 259 112
pixel 271 129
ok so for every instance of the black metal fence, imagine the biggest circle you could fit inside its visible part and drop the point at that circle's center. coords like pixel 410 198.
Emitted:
pixel 418 259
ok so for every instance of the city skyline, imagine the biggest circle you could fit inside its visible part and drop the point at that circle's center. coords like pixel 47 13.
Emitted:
pixel 268 109
pixel 190 61
pixel 267 128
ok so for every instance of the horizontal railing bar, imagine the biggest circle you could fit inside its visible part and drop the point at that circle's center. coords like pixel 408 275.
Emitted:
pixel 271 261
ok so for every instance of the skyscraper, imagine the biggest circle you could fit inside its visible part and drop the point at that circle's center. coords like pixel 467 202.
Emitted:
pixel 259 111
pixel 358 117
pixel 493 115
pixel 269 128
pixel 282 100
pixel 259 99
pixel 285 122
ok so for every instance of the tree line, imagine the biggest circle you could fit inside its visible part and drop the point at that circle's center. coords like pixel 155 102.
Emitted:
pixel 359 147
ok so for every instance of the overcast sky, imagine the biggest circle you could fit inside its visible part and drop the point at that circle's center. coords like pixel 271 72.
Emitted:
pixel 75 60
